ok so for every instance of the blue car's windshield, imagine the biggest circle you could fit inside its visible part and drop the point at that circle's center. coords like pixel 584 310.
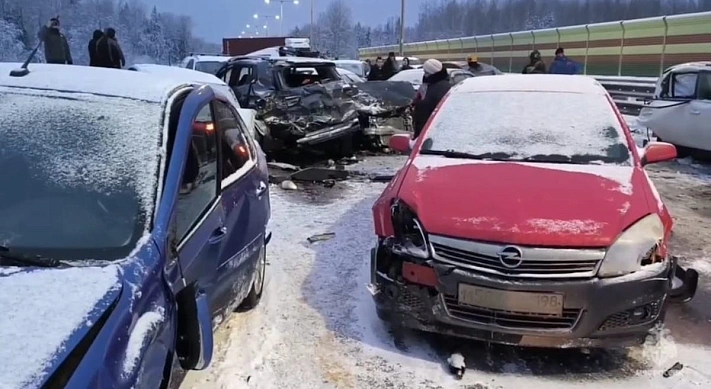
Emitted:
pixel 78 173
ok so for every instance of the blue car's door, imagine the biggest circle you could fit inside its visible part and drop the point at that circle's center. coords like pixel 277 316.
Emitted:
pixel 243 186
pixel 199 215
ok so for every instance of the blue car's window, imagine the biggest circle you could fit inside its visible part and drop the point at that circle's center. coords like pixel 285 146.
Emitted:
pixel 235 149
pixel 199 186
pixel 78 173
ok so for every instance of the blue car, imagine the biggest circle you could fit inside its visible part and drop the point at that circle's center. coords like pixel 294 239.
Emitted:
pixel 133 219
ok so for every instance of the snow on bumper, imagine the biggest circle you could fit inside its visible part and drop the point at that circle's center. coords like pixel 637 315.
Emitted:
pixel 605 313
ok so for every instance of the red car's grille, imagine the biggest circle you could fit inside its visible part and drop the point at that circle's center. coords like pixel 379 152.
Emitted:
pixel 492 264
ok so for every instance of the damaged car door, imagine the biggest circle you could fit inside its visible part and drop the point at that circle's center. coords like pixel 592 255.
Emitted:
pixel 242 78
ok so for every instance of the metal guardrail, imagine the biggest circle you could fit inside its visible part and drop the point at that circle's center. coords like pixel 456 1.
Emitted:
pixel 629 93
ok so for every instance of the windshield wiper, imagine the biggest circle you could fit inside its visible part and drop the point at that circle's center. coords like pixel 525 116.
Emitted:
pixel 12 258
pixel 463 155
pixel 568 161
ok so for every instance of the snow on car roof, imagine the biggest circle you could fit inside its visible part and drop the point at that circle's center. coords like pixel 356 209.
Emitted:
pixel 298 60
pixel 531 83
pixel 213 58
pixel 84 79
pixel 181 74
pixel 348 61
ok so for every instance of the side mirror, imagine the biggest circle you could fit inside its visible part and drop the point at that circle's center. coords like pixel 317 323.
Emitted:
pixel 400 143
pixel 658 152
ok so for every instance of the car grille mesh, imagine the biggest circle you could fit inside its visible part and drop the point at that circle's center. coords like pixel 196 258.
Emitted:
pixel 539 267
pixel 507 319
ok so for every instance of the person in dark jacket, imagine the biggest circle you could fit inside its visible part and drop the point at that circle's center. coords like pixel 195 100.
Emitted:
pixel 93 57
pixel 109 54
pixel 390 66
pixel 56 47
pixel 436 80
pixel 406 64
pixel 562 64
pixel 376 71
pixel 535 65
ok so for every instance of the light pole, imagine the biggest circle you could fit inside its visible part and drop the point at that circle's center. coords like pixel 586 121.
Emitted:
pixel 266 20
pixel 311 26
pixel 402 27
pixel 281 13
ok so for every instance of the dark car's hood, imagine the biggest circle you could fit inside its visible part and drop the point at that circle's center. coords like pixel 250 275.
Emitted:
pixel 45 313
pixel 527 204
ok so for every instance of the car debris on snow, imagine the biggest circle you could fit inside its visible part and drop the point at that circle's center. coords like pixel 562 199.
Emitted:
pixel 283 166
pixel 321 237
pixel 289 185
pixel 457 365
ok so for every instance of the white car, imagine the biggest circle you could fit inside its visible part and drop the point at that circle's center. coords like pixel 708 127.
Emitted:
pixel 414 76
pixel 349 76
pixel 204 63
pixel 352 65
pixel 196 77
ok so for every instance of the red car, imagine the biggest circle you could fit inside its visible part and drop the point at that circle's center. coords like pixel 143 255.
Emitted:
pixel 524 216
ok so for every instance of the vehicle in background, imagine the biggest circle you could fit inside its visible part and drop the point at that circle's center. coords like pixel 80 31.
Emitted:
pixel 121 222
pixel 204 62
pixel 349 76
pixel 680 112
pixel 414 76
pixel 485 68
pixel 577 258
pixel 196 78
pixel 305 103
pixel 354 66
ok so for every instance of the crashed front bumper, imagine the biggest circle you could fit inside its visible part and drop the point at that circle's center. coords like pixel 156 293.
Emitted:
pixel 598 313
pixel 329 133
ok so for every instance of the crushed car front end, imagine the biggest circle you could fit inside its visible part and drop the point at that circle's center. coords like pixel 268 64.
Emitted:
pixel 485 291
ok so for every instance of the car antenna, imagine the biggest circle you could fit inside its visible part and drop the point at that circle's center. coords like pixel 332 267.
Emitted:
pixel 23 70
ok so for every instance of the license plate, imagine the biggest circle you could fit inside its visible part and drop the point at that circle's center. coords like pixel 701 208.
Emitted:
pixel 503 300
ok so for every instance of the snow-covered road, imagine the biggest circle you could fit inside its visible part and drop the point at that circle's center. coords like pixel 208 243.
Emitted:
pixel 316 326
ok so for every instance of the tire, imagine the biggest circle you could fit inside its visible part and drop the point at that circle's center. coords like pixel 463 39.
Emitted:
pixel 255 293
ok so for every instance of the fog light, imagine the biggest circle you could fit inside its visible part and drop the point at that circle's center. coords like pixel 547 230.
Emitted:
pixel 640 314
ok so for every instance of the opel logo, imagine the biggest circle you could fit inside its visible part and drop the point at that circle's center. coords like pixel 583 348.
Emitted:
pixel 511 257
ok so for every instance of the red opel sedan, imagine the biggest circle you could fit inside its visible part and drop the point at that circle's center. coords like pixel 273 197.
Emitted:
pixel 524 216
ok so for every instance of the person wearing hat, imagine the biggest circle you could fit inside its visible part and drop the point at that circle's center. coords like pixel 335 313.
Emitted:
pixel 435 84
pixel 56 47
pixel 535 65
pixel 562 64
pixel 480 69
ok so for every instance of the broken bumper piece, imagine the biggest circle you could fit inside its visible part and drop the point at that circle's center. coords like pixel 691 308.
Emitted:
pixel 329 133
pixel 595 313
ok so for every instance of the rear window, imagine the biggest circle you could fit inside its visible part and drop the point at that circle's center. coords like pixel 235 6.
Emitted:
pixel 208 66
pixel 354 67
pixel 532 126
pixel 297 76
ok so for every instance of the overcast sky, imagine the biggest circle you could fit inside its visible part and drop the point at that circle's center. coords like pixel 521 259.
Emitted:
pixel 217 19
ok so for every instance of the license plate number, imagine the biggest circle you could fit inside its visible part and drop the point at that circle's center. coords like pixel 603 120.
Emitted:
pixel 503 300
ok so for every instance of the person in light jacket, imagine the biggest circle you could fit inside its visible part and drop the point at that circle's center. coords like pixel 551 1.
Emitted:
pixel 56 47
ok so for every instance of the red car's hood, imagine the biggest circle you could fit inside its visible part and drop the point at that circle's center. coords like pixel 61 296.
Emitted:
pixel 526 204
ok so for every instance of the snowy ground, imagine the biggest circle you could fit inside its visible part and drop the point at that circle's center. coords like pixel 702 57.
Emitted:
pixel 316 326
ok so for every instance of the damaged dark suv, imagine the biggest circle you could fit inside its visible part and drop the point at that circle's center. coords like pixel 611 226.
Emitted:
pixel 302 102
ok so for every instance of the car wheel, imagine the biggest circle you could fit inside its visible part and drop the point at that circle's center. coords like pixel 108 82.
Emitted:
pixel 255 294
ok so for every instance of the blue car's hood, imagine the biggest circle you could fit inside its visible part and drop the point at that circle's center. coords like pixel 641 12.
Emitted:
pixel 44 313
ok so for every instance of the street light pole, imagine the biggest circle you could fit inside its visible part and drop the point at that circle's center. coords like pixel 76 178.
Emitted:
pixel 311 26
pixel 402 27
pixel 281 18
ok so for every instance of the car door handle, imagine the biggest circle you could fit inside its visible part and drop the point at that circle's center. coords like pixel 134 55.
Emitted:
pixel 261 188
pixel 218 235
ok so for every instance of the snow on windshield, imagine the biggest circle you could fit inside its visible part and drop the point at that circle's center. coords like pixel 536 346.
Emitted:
pixel 530 125
pixel 102 148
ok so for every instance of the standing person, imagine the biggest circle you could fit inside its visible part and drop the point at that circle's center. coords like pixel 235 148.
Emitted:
pixel 480 69
pixel 109 54
pixel 406 64
pixel 93 57
pixel 376 71
pixel 535 65
pixel 390 66
pixel 437 81
pixel 562 64
pixel 56 47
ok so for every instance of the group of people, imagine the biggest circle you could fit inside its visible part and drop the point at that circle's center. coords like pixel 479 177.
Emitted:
pixel 383 70
pixel 104 49
pixel 561 64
